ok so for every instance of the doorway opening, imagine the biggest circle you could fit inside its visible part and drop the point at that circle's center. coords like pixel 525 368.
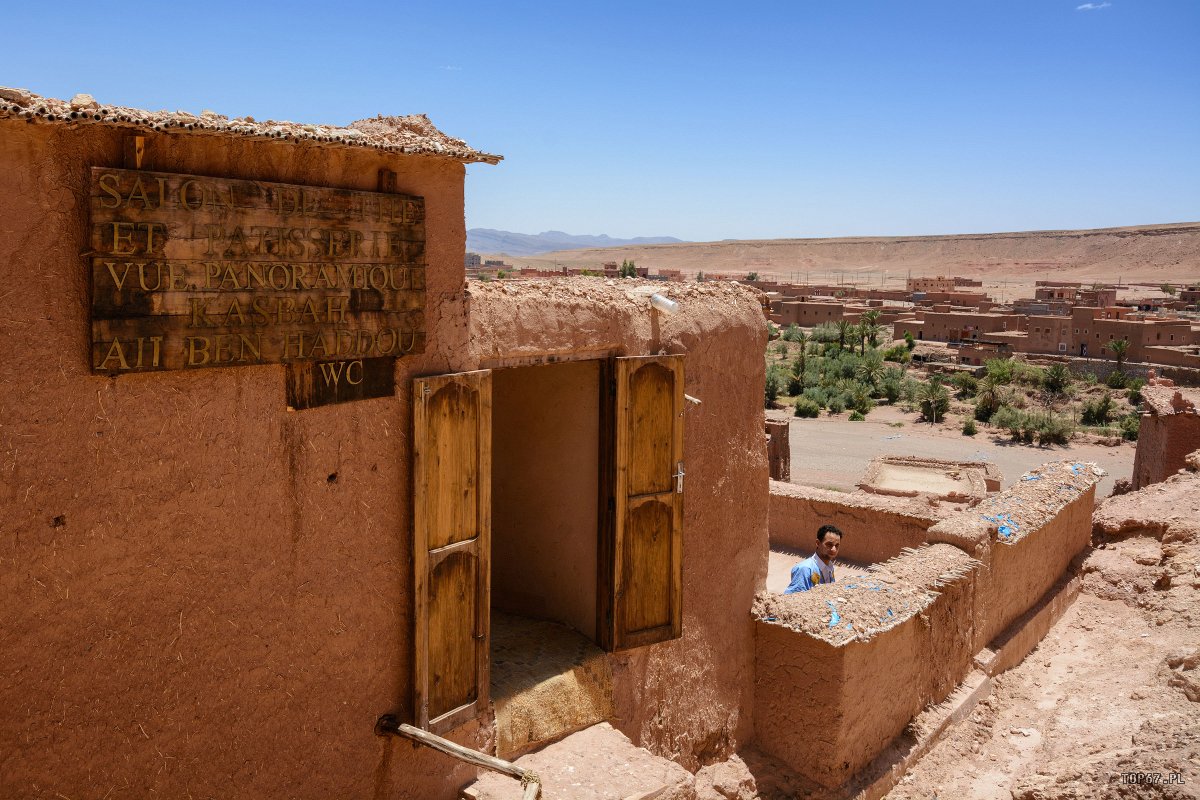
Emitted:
pixel 545 536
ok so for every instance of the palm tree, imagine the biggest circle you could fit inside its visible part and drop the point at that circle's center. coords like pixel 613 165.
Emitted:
pixel 1120 349
pixel 844 327
pixel 934 400
pixel 870 370
pixel 870 323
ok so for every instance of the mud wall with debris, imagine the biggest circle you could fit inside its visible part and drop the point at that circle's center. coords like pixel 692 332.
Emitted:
pixel 203 590
pixel 1026 537
pixel 842 668
pixel 691 698
pixel 876 528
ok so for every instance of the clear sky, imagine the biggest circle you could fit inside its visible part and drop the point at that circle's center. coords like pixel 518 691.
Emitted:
pixel 697 119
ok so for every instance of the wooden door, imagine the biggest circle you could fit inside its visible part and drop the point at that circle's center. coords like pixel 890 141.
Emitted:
pixel 452 442
pixel 641 553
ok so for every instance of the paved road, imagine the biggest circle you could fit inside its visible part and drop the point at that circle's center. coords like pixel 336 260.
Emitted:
pixel 833 453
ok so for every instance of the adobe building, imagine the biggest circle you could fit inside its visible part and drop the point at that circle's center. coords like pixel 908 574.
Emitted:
pixel 271 471
pixel 955 326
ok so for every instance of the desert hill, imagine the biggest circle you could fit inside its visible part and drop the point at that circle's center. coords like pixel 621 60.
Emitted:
pixel 1146 253
pixel 488 240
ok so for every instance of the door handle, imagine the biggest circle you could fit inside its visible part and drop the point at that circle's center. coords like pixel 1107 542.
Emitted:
pixel 678 476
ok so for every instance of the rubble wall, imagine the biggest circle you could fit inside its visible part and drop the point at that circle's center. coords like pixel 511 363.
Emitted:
pixel 689 699
pixel 205 593
pixel 876 528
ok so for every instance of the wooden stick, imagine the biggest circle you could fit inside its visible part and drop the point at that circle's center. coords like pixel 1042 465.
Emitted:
pixel 533 785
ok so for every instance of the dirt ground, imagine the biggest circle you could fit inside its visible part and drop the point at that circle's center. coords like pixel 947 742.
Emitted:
pixel 1114 688
pixel 845 448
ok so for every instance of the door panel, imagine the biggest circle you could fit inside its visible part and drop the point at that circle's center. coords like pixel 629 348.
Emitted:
pixel 641 544
pixel 451 546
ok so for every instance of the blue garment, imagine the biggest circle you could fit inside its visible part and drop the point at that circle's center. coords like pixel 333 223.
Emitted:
pixel 809 573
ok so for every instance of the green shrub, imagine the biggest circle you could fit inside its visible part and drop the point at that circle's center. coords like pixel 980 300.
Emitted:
pixel 909 341
pixel 965 384
pixel 1057 379
pixel 1134 390
pixel 1089 378
pixel 1129 426
pixel 1009 419
pixel 807 408
pixel 856 416
pixel 825 333
pixel 1096 412
pixel 781 349
pixel 772 386
pixel 792 334
pixel 899 354
pixel 1054 429
pixel 1116 379
pixel 772 330
pixel 817 395
pixel 836 405
pixel 1001 370
pixel 1028 374
pixel 969 428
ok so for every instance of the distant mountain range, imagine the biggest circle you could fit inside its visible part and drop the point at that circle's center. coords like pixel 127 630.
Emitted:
pixel 486 240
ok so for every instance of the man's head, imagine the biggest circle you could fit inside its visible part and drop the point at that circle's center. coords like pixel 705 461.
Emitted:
pixel 829 541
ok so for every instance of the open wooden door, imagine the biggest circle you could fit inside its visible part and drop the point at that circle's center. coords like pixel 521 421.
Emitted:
pixel 452 441
pixel 641 549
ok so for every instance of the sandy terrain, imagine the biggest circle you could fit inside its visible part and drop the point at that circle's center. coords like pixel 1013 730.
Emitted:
pixel 1152 253
pixel 833 453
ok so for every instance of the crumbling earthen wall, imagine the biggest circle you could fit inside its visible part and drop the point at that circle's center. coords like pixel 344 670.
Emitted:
pixel 844 667
pixel 876 528
pixel 690 698
pixel 204 592
pixel 1169 430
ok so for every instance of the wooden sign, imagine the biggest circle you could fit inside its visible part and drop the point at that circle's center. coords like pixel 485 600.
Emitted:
pixel 191 272
pixel 321 383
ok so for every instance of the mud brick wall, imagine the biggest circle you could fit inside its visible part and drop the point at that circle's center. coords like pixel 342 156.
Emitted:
pixel 876 528
pixel 829 697
pixel 1025 536
pixel 206 593
pixel 200 578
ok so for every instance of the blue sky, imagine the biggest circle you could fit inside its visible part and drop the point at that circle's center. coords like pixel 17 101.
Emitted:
pixel 694 119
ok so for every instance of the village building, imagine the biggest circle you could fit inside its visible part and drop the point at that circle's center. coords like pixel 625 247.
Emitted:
pixel 955 326
pixel 926 284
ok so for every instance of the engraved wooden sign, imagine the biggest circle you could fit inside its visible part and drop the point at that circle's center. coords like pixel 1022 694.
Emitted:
pixel 191 272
